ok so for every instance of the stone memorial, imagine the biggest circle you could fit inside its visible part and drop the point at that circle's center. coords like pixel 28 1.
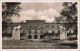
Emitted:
pixel 63 33
pixel 16 33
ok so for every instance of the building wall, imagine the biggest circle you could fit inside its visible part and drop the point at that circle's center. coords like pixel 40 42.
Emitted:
pixel 36 30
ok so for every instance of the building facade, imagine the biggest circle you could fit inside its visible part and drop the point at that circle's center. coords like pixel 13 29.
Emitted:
pixel 37 30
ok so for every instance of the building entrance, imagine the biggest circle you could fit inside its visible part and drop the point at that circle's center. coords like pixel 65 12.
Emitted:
pixel 35 37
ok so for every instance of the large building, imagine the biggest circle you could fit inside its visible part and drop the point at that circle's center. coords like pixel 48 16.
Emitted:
pixel 38 30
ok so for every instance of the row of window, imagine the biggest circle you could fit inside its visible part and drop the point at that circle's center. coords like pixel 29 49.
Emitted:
pixel 47 26
pixel 33 31
pixel 41 36
pixel 42 31
pixel 37 31
pixel 29 36
pixel 35 37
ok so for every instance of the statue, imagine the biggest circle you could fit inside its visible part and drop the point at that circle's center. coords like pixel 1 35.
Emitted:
pixel 61 27
pixel 63 33
pixel 17 27
pixel 16 33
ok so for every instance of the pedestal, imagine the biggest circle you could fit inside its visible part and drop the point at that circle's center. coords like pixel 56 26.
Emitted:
pixel 16 35
pixel 63 35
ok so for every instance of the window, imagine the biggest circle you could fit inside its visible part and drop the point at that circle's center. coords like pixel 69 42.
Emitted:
pixel 57 26
pixel 5 32
pixel 52 26
pixel 52 31
pixel 32 31
pixel 29 26
pixel 63 26
pixel 58 32
pixel 9 35
pixel 35 31
pixel 29 37
pixel 35 37
pixel 49 31
pixel 24 31
pixel 55 31
pixel 21 34
pixel 47 26
pixel 46 31
pixel 29 31
pixel 41 26
pixel 35 26
pixel 38 31
pixel 56 35
pixel 41 31
pixel 9 31
pixel 41 36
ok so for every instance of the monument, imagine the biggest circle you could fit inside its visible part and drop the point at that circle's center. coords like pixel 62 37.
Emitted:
pixel 16 33
pixel 63 33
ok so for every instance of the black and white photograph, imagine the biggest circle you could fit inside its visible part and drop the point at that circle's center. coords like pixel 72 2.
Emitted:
pixel 39 25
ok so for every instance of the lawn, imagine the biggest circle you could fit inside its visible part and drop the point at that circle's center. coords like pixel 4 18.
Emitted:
pixel 50 44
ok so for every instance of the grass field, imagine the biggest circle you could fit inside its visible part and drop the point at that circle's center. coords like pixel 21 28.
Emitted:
pixel 50 44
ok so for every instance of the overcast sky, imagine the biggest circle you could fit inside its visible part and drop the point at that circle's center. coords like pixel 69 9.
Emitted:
pixel 39 11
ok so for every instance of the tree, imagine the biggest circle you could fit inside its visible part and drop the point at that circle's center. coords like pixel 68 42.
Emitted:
pixel 58 19
pixel 9 9
pixel 70 11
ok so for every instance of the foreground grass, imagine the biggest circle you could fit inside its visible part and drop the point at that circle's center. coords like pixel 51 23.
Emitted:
pixel 23 44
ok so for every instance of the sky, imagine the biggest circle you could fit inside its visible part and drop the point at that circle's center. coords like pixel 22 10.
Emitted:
pixel 39 11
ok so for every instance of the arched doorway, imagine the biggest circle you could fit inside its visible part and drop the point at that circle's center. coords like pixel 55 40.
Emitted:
pixel 41 36
pixel 35 37
pixel 29 37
